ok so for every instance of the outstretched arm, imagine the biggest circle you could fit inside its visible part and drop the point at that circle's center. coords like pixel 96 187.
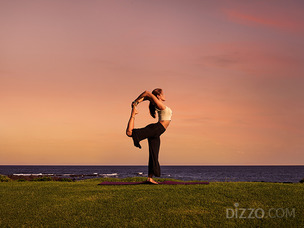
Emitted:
pixel 146 95
pixel 140 98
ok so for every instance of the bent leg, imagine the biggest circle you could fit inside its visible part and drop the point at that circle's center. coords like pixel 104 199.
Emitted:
pixel 130 125
pixel 139 134
pixel 154 145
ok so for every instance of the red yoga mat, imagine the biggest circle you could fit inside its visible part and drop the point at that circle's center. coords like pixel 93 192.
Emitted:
pixel 146 182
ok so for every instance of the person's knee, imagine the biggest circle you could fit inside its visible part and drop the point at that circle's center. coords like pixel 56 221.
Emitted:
pixel 129 133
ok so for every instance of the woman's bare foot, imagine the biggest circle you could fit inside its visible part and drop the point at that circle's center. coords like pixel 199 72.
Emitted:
pixel 151 180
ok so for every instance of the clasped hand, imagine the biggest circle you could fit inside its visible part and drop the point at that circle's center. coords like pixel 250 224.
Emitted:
pixel 134 103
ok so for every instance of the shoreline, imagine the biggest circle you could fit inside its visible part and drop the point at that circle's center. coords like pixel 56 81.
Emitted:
pixel 199 173
pixel 72 178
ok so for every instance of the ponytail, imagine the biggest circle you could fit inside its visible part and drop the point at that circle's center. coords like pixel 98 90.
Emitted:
pixel 152 107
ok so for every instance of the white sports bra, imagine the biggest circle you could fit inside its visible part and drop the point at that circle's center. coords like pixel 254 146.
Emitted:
pixel 164 114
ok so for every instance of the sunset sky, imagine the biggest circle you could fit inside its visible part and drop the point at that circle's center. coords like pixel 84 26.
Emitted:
pixel 232 73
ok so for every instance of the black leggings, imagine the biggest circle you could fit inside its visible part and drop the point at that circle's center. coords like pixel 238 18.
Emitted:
pixel 152 132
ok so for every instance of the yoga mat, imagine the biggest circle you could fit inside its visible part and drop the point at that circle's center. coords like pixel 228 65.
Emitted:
pixel 146 182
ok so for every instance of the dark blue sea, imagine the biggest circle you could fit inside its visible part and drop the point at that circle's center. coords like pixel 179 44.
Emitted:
pixel 205 173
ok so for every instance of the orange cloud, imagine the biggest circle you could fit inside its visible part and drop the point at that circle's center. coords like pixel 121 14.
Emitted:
pixel 274 22
pixel 262 59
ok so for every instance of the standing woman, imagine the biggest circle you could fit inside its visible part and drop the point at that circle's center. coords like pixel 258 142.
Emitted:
pixel 152 131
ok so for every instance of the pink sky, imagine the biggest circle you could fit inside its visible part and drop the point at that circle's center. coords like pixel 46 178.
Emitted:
pixel 232 72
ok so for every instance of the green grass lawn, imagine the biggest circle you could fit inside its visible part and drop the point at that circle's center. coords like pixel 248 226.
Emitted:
pixel 86 204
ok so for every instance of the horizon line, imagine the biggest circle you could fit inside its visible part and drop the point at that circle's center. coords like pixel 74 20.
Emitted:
pixel 146 165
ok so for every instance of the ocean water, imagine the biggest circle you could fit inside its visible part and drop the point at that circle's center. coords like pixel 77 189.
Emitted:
pixel 206 173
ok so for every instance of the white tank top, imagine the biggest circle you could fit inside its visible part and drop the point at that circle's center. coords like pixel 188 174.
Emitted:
pixel 164 114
